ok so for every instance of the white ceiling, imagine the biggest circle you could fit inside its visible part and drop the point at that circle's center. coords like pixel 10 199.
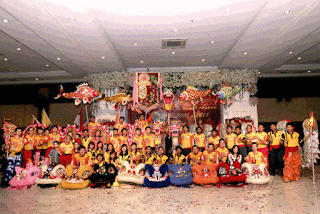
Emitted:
pixel 109 36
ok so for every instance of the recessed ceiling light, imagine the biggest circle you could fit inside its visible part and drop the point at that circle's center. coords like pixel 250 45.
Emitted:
pixel 203 60
pixel 228 10
pixel 141 61
pixel 47 65
pixel 18 49
pixel 72 19
pixel 58 58
pixel 135 43
pixel 191 20
pixel 173 52
pixel 175 30
pixel 290 52
pixel 287 11
pixel 299 58
pixel 259 72
pixel 5 59
pixel 245 53
pixel 309 71
pixel 37 78
pixel 103 57
pixel 5 21
pixel 85 77
pixel 212 42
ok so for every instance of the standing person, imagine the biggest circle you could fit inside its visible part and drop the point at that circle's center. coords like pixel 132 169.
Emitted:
pixel 123 139
pixel 240 142
pixel 65 151
pixel 230 138
pixel 263 142
pixel 52 137
pixel 54 154
pixel 114 140
pixel 200 139
pixel 292 158
pixel 214 138
pixel 29 142
pixel 92 123
pixel 149 138
pixel 251 137
pixel 121 124
pixel 143 122
pixel 85 140
pixel 276 153
pixel 138 140
pixel 186 140
pixel 14 147
pixel 97 138
pixel 40 141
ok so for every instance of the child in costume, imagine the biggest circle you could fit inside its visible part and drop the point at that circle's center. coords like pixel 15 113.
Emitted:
pixel 40 140
pixel 161 157
pixel 14 159
pixel 214 139
pixel 292 158
pixel 52 137
pixel 222 151
pixel 54 155
pixel 29 142
pixel 200 139
pixel 65 151
pixel 195 157
pixel 186 140
pixel 178 158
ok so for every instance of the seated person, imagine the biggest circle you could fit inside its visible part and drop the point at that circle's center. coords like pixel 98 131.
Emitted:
pixel 148 158
pixel 91 152
pixel 124 154
pixel 81 158
pixel 161 157
pixel 234 155
pixel 209 155
pixel 195 156
pixel 135 155
pixel 222 151
pixel 255 157
pixel 178 158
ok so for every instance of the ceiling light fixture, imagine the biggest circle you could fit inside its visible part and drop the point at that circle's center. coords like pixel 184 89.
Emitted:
pixel 259 72
pixel 212 42
pixel 245 53
pixel 5 59
pixel 103 57
pixel 135 43
pixel 203 60
pixel 58 58
pixel 5 21
pixel 141 61
pixel 175 30
pixel 37 78
pixel 72 19
pixel 309 71
pixel 228 10
pixel 287 11
pixel 290 52
pixel 18 49
pixel 85 77
pixel 173 52
pixel 47 65
pixel 299 58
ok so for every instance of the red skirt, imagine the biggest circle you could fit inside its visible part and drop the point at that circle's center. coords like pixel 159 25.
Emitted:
pixel 65 159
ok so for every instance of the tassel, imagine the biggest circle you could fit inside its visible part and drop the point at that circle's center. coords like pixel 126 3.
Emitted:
pixel 134 92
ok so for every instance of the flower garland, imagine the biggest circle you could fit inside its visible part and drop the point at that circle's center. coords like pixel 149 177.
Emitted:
pixel 233 77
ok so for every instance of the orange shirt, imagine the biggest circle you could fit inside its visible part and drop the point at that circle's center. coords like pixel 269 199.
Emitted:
pixel 139 141
pixel 221 151
pixel 92 125
pixel 231 140
pixel 258 158
pixel 82 159
pixel 186 140
pixel 214 140
pixel 191 156
pixel 150 140
pixel 200 140
pixel 15 145
pixel 41 142
pixel 53 137
pixel 262 140
pixel 251 138
pixel 114 140
pixel 68 148
pixel 123 140
pixel 210 157
pixel 120 126
pixel 29 142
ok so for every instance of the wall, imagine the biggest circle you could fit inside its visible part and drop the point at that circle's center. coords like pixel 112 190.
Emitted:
pixel 298 109
pixel 21 115
pixel 65 113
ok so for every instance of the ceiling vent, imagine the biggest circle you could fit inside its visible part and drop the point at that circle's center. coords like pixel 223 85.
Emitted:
pixel 173 43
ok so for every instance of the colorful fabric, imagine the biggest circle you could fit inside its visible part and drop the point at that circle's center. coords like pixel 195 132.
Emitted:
pixel 292 164
pixel 12 162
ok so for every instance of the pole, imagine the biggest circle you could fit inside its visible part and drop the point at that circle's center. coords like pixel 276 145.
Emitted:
pixel 86 107
pixel 194 115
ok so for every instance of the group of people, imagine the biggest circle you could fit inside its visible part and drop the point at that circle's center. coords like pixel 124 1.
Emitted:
pixel 39 145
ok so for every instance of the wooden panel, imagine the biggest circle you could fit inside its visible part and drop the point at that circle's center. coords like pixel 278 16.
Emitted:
pixel 20 114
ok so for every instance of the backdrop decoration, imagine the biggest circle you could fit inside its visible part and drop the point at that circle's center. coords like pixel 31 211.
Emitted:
pixel 25 177
pixel 70 128
pixel 8 129
pixel 119 99
pixel 226 93
pixel 84 93
pixel 168 99
pixel 175 129
pixel 158 128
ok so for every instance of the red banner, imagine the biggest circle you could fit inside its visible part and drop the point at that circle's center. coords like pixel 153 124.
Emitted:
pixel 147 88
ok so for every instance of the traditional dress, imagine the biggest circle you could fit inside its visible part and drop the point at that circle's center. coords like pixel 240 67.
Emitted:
pixel 29 142
pixel 186 142
pixel 14 159
pixel 200 141
pixel 292 158
pixel 276 152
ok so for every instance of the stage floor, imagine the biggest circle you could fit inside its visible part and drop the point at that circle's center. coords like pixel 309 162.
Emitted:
pixel 277 197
